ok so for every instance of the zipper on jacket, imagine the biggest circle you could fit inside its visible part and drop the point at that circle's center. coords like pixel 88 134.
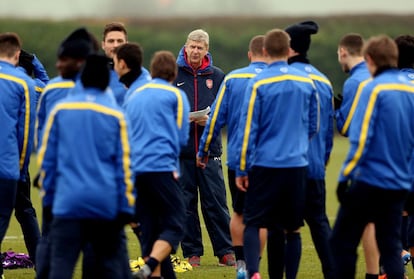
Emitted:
pixel 195 109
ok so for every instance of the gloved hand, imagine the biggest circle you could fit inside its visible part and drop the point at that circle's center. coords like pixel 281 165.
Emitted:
pixel 39 70
pixel 26 62
pixel 36 181
pixel 338 101
pixel 122 219
pixel 342 190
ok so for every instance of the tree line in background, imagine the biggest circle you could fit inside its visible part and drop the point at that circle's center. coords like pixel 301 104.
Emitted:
pixel 229 37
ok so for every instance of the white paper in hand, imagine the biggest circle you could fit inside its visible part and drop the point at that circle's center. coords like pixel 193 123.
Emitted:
pixel 199 113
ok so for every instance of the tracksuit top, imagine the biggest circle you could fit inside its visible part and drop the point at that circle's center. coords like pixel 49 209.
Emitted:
pixel 57 89
pixel 158 114
pixel 279 116
pixel 321 144
pixel 382 133
pixel 17 114
pixel 351 92
pixel 226 110
pixel 143 79
pixel 84 158
pixel 119 90
pixel 409 73
pixel 201 87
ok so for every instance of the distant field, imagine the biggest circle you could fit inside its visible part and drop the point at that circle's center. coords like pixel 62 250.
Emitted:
pixel 309 267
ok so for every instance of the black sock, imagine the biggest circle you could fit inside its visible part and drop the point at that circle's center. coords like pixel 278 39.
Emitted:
pixel 152 263
pixel 293 251
pixel 252 248
pixel 167 269
pixel 371 276
pixel 276 252
pixel 404 232
pixel 238 252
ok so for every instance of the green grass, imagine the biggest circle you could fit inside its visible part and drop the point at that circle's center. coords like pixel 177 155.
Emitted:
pixel 309 265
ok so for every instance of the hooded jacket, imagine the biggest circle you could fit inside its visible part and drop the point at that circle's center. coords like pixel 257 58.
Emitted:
pixel 201 87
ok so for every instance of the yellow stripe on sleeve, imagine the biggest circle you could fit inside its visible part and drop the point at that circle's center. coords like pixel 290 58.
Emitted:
pixel 251 108
pixel 23 83
pixel 367 118
pixel 354 106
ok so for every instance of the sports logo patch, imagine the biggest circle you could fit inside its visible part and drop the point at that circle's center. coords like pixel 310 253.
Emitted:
pixel 209 83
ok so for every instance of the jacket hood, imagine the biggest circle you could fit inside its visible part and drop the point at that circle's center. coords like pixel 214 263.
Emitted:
pixel 183 62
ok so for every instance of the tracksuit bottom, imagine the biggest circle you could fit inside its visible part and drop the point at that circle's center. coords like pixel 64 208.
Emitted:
pixel 364 203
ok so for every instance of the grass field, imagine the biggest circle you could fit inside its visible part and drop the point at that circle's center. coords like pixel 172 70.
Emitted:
pixel 309 266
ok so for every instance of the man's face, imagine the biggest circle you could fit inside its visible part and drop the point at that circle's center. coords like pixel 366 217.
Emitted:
pixel 69 67
pixel 342 55
pixel 195 52
pixel 111 41
pixel 117 66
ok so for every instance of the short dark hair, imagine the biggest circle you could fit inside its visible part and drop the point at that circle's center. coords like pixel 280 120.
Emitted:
pixel 353 43
pixel 382 50
pixel 276 43
pixel 405 44
pixel 114 26
pixel 256 45
pixel 163 65
pixel 10 43
pixel 131 53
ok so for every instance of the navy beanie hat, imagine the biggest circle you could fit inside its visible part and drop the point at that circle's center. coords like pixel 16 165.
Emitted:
pixel 300 35
pixel 79 44
pixel 95 72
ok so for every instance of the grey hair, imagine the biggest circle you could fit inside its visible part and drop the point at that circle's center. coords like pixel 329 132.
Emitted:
pixel 198 35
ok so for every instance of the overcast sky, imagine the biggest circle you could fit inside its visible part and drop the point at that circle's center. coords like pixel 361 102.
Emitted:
pixel 63 9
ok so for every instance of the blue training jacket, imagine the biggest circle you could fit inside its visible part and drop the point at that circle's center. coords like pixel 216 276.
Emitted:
pixel 321 144
pixel 409 73
pixel 143 79
pixel 226 110
pixel 351 92
pixel 84 158
pixel 119 90
pixel 159 114
pixel 382 133
pixel 17 114
pixel 57 89
pixel 279 116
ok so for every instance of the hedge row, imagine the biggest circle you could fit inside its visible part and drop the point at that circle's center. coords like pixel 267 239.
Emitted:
pixel 229 37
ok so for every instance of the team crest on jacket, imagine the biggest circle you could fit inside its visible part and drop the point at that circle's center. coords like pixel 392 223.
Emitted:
pixel 209 83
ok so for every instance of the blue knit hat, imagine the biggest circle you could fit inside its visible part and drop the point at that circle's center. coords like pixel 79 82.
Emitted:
pixel 300 35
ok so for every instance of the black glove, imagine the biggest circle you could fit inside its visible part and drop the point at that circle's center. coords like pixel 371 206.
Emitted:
pixel 342 190
pixel 123 219
pixel 36 181
pixel 338 101
pixel 26 61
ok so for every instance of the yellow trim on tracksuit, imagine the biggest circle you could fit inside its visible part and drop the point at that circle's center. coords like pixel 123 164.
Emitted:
pixel 123 132
pixel 176 91
pixel 251 106
pixel 23 83
pixel 354 106
pixel 366 120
